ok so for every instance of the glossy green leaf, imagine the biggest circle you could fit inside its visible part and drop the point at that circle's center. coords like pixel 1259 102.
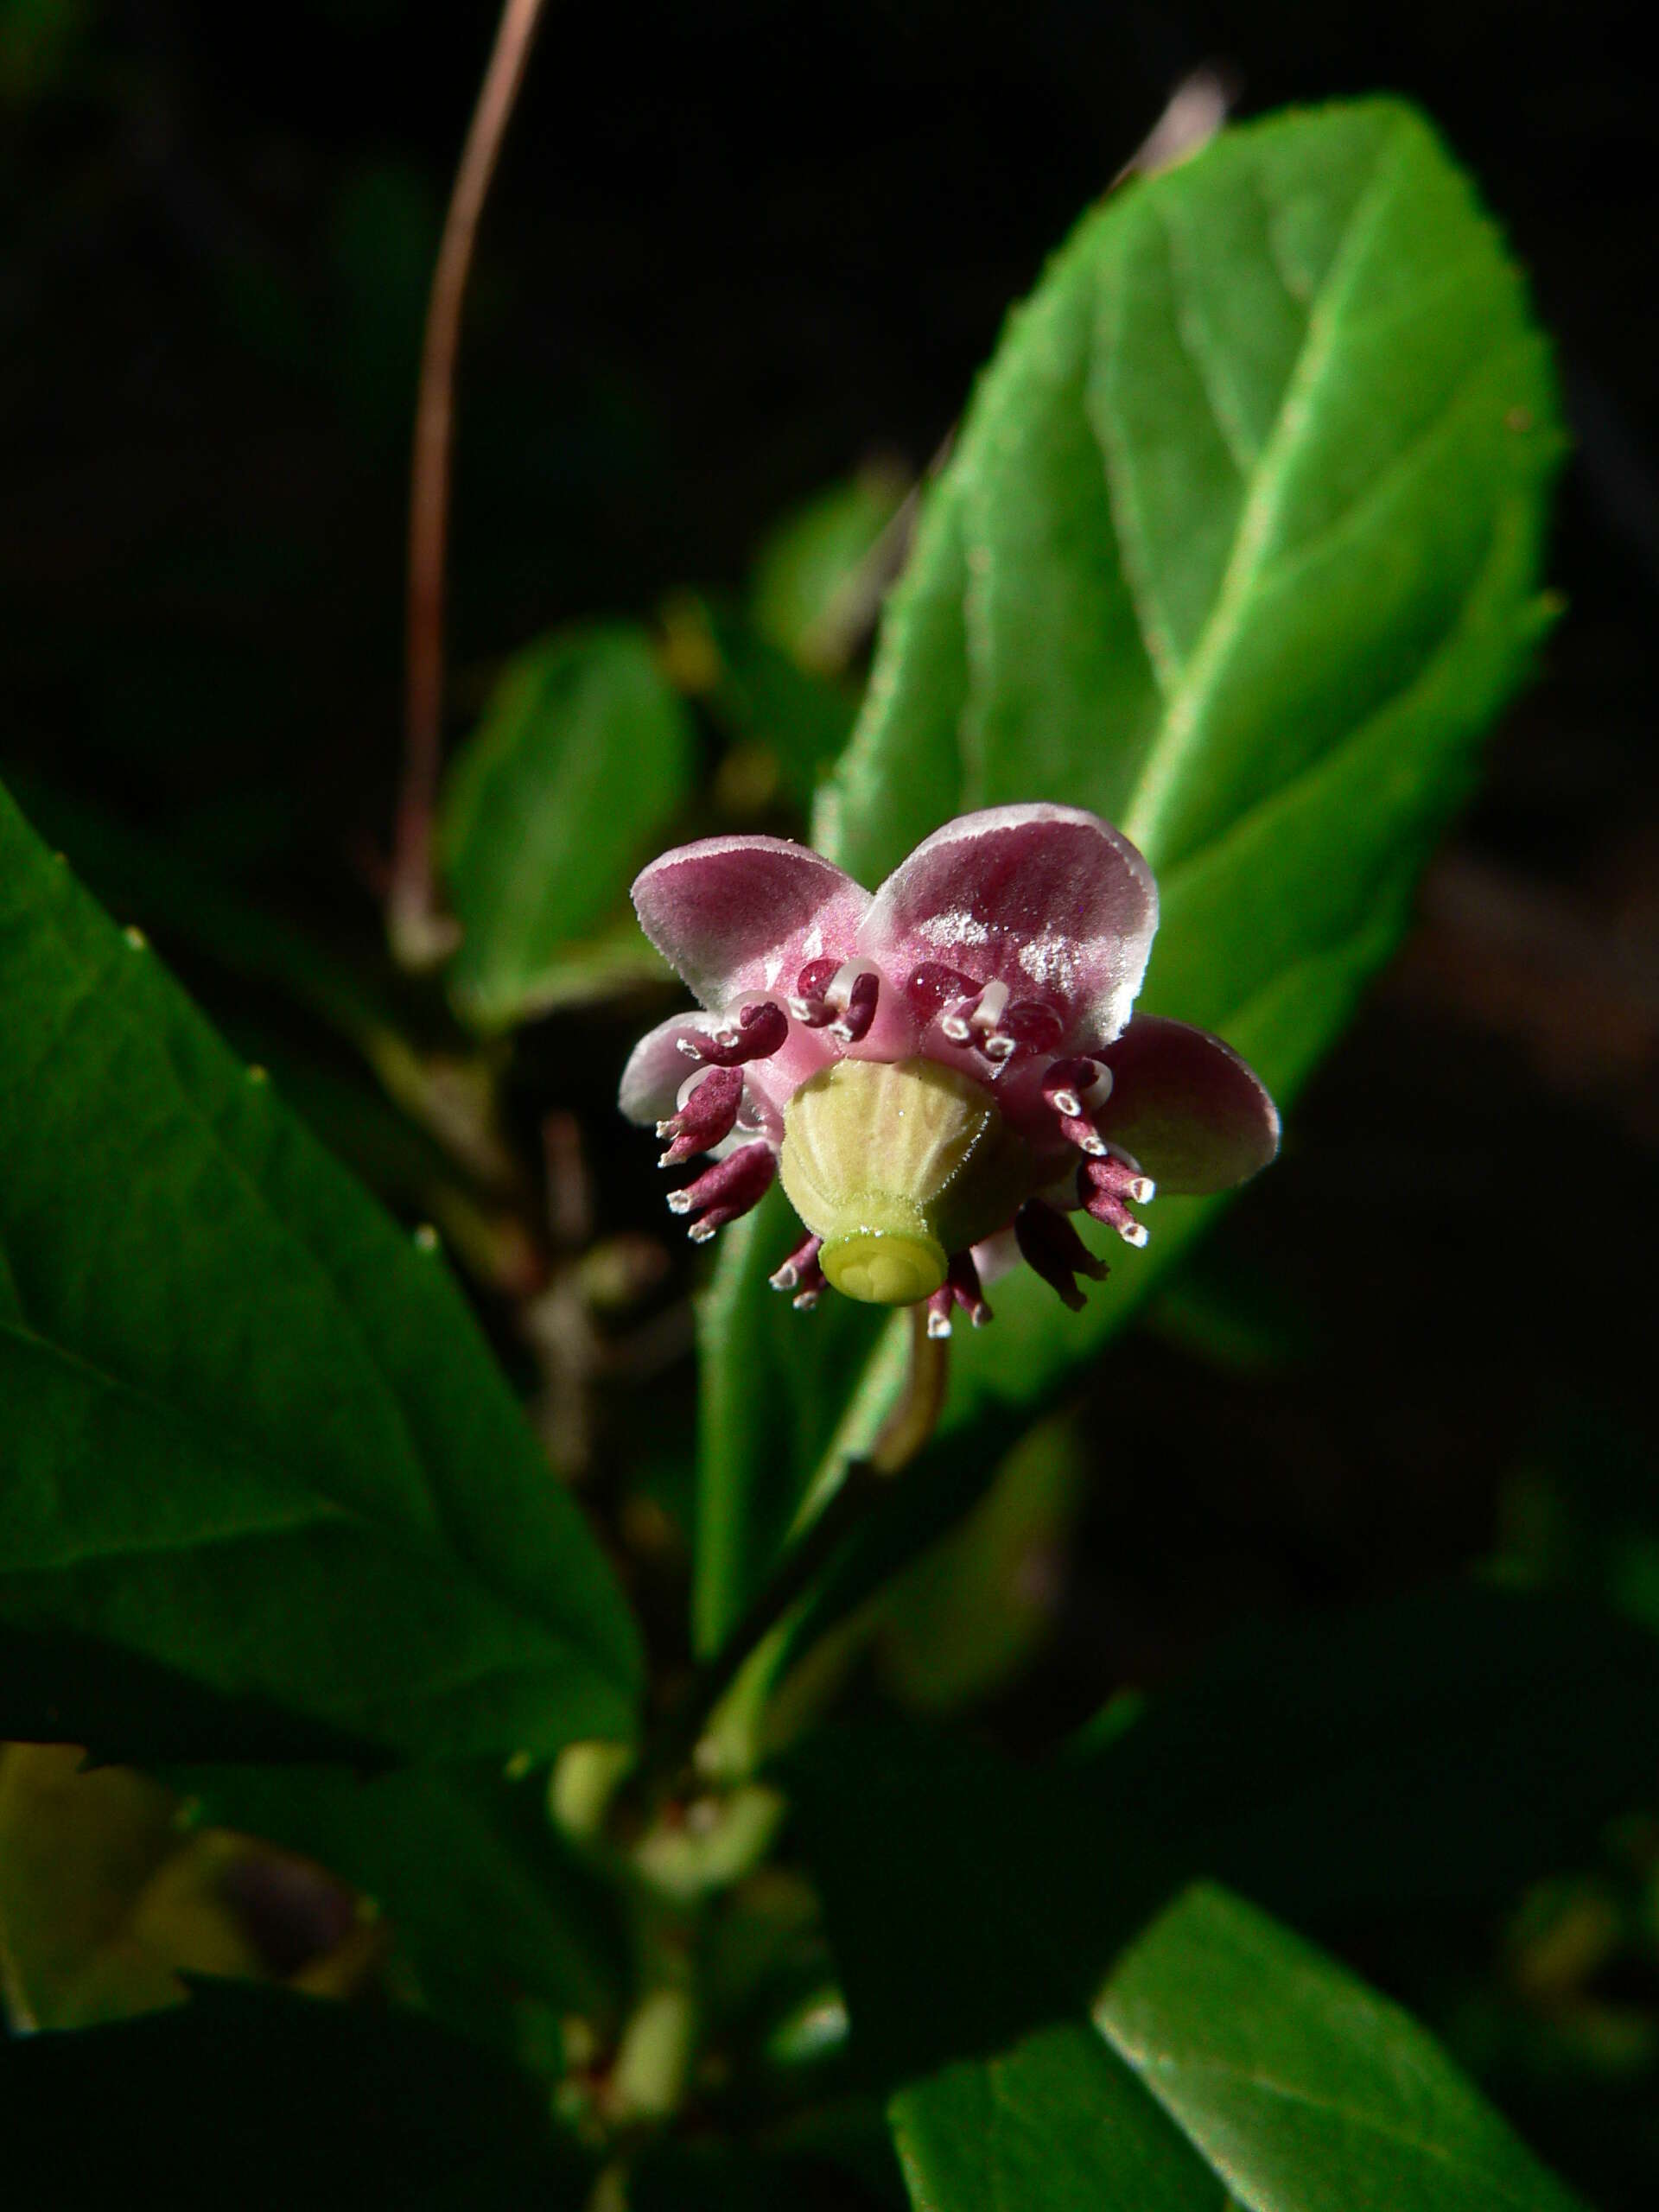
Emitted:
pixel 252 1433
pixel 1051 2030
pixel 562 793
pixel 1228 2063
pixel 1239 547
pixel 1305 2090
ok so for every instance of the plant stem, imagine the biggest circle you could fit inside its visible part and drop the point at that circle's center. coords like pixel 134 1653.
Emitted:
pixel 865 1482
pixel 418 934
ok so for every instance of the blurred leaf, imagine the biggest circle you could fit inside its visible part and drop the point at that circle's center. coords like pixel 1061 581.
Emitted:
pixel 57 1687
pixel 1221 2047
pixel 1239 547
pixel 796 718
pixel 252 1433
pixel 766 1394
pixel 563 791
pixel 1441 1748
pixel 804 593
pixel 268 2101
pixel 103 1902
pixel 40 42
pixel 486 1904
pixel 1581 1512
pixel 968 1617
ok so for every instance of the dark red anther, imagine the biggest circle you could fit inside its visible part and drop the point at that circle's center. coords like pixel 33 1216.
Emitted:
pixel 860 1012
pixel 1054 1250
pixel 706 1119
pixel 934 986
pixel 810 1005
pixel 960 1287
pixel 727 1189
pixel 1033 1026
pixel 757 1034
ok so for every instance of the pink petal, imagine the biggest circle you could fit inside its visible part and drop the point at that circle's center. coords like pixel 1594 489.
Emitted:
pixel 1187 1107
pixel 746 913
pixel 1048 899
pixel 656 1068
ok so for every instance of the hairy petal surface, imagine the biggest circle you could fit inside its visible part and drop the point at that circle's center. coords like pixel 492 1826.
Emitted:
pixel 1188 1109
pixel 737 914
pixel 1049 901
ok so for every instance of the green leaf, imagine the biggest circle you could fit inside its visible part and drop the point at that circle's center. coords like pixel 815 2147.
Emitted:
pixel 1298 2085
pixel 1050 2031
pixel 1239 547
pixel 806 590
pixel 1228 2065
pixel 265 2100
pixel 486 1904
pixel 1442 1748
pixel 797 719
pixel 563 792
pixel 764 1413
pixel 252 1433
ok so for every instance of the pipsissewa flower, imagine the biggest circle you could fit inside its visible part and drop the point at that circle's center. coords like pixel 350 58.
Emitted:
pixel 935 1065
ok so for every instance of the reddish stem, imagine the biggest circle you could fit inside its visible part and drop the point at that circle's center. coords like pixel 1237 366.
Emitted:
pixel 419 935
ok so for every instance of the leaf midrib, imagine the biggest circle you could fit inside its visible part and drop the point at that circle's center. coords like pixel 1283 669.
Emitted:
pixel 314 1508
pixel 1161 771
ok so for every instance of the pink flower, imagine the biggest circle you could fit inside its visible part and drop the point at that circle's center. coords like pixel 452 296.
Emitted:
pixel 934 1065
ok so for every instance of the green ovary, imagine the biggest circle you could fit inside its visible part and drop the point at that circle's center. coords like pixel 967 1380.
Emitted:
pixel 896 1165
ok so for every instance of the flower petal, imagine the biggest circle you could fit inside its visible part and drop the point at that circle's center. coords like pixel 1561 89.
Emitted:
pixel 1187 1107
pixel 655 1069
pixel 745 913
pixel 1048 899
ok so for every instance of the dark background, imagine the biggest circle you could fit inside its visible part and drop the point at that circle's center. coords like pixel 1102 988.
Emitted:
pixel 733 252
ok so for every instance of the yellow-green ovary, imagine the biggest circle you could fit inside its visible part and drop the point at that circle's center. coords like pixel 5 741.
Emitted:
pixel 896 1165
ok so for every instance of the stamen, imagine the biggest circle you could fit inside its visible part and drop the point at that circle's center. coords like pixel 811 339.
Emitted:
pixel 707 1115
pixel 805 1256
pixel 810 1002
pixel 982 1018
pixel 727 1189
pixel 1103 1185
pixel 1075 1087
pixel 963 1282
pixel 757 1033
pixel 1122 1176
pixel 1077 1090
pixel 859 1011
pixel 1053 1248
pixel 960 1287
